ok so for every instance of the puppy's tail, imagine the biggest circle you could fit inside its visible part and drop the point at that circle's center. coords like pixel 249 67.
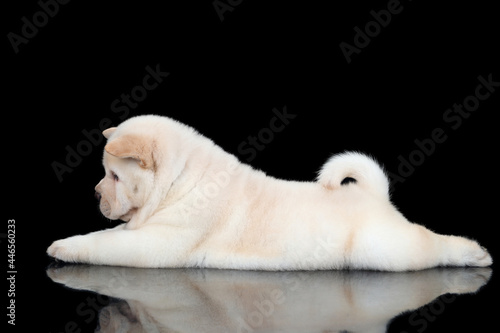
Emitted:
pixel 363 169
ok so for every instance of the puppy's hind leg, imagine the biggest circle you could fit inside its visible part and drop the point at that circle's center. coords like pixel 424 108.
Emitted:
pixel 402 246
pixel 460 251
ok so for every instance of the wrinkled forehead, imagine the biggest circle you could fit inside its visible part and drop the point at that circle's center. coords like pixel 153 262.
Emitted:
pixel 119 165
pixel 108 159
pixel 112 162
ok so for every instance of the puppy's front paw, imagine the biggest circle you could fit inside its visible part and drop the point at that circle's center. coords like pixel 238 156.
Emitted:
pixel 71 249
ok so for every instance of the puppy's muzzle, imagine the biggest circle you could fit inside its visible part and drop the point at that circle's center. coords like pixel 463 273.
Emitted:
pixel 98 196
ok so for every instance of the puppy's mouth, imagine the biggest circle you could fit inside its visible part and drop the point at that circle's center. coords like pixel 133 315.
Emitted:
pixel 105 207
pixel 128 215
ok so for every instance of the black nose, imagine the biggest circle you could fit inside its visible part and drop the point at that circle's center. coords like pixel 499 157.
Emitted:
pixel 98 196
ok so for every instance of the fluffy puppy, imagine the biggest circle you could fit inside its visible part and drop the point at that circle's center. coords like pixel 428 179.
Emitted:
pixel 188 203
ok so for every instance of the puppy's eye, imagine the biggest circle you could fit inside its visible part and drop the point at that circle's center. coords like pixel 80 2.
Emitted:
pixel 115 176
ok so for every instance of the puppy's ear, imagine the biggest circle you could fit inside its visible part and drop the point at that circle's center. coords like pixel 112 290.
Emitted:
pixel 137 147
pixel 107 132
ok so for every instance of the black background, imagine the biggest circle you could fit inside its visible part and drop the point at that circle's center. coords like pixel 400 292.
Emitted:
pixel 226 76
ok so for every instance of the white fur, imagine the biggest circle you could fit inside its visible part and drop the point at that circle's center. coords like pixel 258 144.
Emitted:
pixel 355 165
pixel 198 206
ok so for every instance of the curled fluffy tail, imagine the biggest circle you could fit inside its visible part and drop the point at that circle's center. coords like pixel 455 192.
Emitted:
pixel 364 169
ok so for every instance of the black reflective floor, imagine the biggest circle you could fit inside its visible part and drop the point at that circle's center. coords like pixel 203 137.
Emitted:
pixel 415 84
pixel 118 299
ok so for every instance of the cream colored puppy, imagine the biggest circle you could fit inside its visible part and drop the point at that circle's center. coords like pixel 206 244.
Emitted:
pixel 188 203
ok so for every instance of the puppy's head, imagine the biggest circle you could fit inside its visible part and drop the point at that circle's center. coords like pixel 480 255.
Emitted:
pixel 129 163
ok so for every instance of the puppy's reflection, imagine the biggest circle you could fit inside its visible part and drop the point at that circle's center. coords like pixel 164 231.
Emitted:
pixel 192 300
